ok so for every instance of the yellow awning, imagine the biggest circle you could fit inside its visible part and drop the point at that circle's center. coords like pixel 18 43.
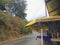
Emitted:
pixel 43 19
pixel 31 23
pixel 49 18
pixel 35 29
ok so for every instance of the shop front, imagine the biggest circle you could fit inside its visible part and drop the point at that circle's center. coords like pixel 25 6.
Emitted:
pixel 51 25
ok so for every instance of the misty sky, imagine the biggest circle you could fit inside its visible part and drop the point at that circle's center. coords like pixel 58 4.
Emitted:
pixel 35 9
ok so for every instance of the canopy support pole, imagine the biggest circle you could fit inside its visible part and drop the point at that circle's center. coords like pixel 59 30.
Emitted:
pixel 41 36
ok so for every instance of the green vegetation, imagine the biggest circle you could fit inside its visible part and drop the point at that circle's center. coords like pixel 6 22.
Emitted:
pixel 23 30
pixel 12 26
pixel 3 2
pixel 18 7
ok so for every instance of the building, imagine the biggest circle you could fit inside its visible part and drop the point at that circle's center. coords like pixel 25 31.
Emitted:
pixel 53 7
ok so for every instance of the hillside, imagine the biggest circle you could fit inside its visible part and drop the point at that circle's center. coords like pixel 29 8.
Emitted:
pixel 11 26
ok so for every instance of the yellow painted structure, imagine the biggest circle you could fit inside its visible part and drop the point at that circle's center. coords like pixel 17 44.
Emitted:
pixel 47 19
pixel 53 7
pixel 41 20
pixel 31 23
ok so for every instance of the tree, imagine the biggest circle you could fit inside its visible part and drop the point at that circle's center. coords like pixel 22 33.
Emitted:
pixel 23 30
pixel 18 7
pixel 2 4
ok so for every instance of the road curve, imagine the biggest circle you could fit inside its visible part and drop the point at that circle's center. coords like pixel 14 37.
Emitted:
pixel 26 41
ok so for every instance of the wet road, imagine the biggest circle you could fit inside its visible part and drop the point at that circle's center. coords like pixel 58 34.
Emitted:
pixel 26 41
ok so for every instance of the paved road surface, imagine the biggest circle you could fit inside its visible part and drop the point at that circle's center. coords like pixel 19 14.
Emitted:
pixel 26 41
